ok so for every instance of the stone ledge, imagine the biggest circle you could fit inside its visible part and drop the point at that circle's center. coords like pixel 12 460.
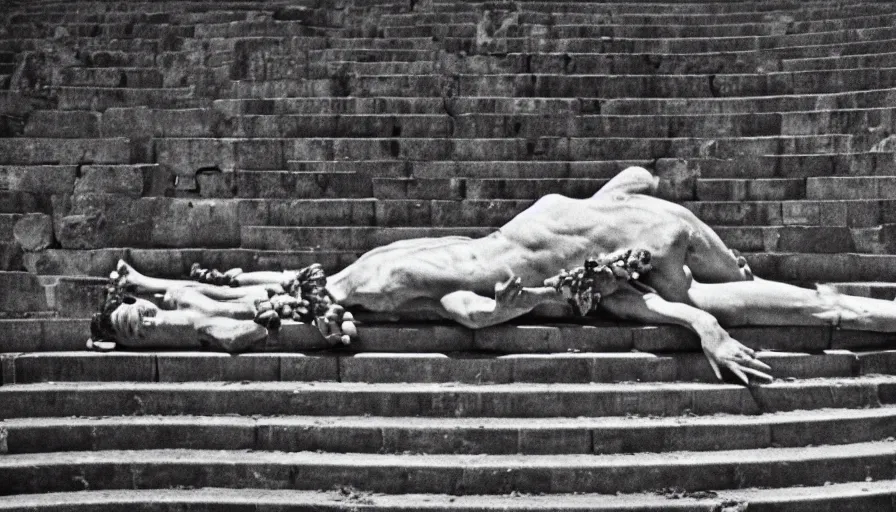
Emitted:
pixel 450 435
pixel 854 495
pixel 418 367
pixel 439 399
pixel 456 474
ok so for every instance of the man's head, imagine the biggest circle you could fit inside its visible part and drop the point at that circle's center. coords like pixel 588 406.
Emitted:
pixel 121 319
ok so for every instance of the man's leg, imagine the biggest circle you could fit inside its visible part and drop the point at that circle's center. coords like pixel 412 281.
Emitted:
pixel 145 284
pixel 762 302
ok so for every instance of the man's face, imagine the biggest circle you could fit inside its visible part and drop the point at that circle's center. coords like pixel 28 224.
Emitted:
pixel 128 318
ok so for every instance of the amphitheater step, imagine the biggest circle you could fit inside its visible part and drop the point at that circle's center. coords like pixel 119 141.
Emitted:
pixel 579 85
pixel 876 290
pixel 439 400
pixel 850 187
pixel 541 436
pixel 572 366
pixel 184 154
pixel 859 213
pixel 783 103
pixel 103 98
pixel 201 123
pixel 32 151
pixel 805 19
pixel 864 496
pixel 454 474
pixel 586 104
pixel 342 238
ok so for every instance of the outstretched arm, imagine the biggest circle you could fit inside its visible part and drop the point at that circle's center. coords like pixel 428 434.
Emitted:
pixel 719 347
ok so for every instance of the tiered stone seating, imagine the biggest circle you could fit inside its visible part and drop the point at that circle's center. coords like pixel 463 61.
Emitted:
pixel 274 134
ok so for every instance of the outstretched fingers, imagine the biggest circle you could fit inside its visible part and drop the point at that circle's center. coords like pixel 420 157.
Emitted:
pixel 739 360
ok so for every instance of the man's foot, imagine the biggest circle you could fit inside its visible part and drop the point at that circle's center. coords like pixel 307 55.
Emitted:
pixel 335 323
pixel 214 276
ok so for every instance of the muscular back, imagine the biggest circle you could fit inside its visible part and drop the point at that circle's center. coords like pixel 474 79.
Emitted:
pixel 559 232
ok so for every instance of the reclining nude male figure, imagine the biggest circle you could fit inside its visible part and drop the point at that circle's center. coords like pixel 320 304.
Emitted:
pixel 694 281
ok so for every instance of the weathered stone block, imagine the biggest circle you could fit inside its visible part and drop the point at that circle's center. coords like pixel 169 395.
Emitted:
pixel 184 157
pixel 414 338
pixel 125 180
pixel 42 179
pixel 34 232
pixel 63 124
pixel 212 366
pixel 84 366
pixel 305 367
pixel 196 223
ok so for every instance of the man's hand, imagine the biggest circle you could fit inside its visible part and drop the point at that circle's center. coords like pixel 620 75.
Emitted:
pixel 509 294
pixel 724 351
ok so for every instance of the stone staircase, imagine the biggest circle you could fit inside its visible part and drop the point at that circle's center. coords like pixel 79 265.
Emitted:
pixel 274 134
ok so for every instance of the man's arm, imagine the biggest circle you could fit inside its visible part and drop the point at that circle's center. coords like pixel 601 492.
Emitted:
pixel 511 300
pixel 719 347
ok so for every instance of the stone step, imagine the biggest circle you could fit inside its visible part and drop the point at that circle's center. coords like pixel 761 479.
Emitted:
pixel 46 151
pixel 806 18
pixel 850 187
pixel 69 296
pixel 641 86
pixel 455 474
pixel 431 367
pixel 185 156
pixel 766 34
pixel 343 238
pixel 301 184
pixel 858 213
pixel 110 77
pixel 810 239
pixel 823 48
pixel 534 188
pixel 624 54
pixel 839 100
pixel 101 99
pixel 106 30
pixel 763 189
pixel 93 220
pixel 839 62
pixel 439 400
pixel 874 289
pixel 575 106
pixel 535 436
pixel 649 7
pixel 579 85
pixel 23 202
pixel 865 496
pixel 789 166
pixel 268 28
pixel 440 213
pixel 203 123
